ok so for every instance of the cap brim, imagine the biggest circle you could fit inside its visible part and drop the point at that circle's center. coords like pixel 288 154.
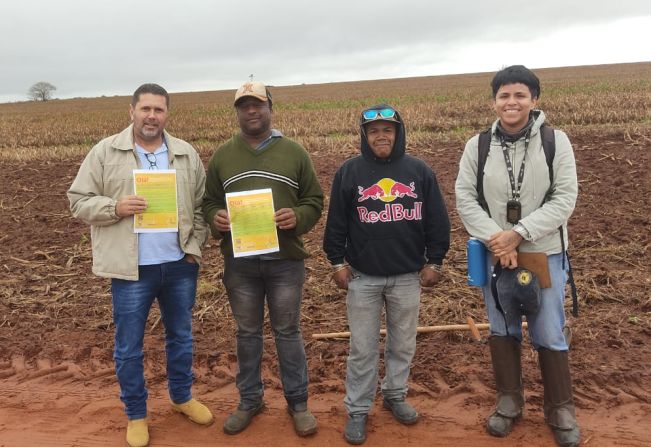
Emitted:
pixel 259 98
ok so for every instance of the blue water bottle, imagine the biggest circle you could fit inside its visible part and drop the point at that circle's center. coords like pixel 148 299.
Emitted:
pixel 476 252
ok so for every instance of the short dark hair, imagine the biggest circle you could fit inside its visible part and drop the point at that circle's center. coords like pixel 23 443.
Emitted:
pixel 516 74
pixel 154 89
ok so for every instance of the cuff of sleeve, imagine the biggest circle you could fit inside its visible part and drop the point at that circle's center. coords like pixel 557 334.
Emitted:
pixel 522 231
pixel 298 229
pixel 113 211
pixel 436 267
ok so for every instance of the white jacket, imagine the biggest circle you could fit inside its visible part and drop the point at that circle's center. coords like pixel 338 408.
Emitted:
pixel 542 222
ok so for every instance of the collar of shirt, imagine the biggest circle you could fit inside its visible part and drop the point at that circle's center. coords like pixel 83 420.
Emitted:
pixel 160 150
pixel 275 133
pixel 161 162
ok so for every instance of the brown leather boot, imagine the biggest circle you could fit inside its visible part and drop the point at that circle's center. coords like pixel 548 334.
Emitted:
pixel 559 405
pixel 505 354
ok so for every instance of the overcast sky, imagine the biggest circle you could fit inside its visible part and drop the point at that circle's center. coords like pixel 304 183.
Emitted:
pixel 109 47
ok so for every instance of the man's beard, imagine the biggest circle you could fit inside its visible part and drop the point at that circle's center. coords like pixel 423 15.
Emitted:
pixel 150 134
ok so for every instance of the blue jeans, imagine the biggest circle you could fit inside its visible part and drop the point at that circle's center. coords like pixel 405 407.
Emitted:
pixel 175 286
pixel 367 295
pixel 546 326
pixel 249 281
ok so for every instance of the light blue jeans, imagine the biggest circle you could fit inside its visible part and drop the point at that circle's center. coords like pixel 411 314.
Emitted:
pixel 175 286
pixel 546 326
pixel 367 295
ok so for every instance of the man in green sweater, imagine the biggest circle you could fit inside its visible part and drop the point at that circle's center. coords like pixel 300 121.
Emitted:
pixel 261 157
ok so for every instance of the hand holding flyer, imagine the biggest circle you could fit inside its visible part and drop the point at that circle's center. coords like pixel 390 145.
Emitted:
pixel 159 190
pixel 253 228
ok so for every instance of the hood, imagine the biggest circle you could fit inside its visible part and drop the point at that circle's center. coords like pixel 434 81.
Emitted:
pixel 399 145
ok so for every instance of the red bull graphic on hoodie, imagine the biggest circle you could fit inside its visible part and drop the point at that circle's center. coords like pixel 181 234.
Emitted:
pixel 388 190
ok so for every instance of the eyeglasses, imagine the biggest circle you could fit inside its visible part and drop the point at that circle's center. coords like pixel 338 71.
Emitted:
pixel 151 158
pixel 375 114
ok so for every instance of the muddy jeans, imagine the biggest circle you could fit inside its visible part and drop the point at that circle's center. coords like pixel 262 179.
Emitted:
pixel 249 281
pixel 367 295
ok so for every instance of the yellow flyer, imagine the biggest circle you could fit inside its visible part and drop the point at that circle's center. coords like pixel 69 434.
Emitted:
pixel 253 228
pixel 159 190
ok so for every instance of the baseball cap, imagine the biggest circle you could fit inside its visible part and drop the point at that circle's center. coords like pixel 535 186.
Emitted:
pixel 517 291
pixel 255 89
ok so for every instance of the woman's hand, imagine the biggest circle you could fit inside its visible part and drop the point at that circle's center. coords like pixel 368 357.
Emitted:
pixel 504 242
pixel 509 260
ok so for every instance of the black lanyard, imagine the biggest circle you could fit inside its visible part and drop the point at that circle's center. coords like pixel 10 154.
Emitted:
pixel 515 192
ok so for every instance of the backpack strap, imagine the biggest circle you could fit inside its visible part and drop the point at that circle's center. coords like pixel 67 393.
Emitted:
pixel 549 147
pixel 483 149
pixel 570 275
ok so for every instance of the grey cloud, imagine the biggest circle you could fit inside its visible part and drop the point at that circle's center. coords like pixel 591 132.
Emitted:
pixel 95 48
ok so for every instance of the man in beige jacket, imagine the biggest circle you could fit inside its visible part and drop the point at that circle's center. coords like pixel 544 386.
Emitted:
pixel 144 266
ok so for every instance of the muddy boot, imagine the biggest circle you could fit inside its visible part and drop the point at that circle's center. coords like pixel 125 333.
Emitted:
pixel 505 354
pixel 559 405
pixel 402 411
pixel 304 422
pixel 355 430
pixel 241 418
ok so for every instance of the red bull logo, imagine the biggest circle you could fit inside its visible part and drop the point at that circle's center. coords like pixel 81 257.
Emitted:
pixel 400 190
pixel 372 192
pixel 388 190
pixel 391 213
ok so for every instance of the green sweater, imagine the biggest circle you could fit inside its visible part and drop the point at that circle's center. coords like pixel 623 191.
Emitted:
pixel 285 167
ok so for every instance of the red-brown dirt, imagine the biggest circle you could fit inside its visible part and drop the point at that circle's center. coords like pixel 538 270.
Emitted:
pixel 57 386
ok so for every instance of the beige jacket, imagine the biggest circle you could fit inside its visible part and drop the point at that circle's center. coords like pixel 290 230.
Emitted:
pixel 106 174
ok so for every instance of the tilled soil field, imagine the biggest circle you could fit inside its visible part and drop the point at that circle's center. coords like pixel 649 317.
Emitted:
pixel 57 384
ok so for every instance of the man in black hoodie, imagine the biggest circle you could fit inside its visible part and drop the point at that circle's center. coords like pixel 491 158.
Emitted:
pixel 386 236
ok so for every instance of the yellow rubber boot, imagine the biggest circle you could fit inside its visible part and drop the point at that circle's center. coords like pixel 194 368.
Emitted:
pixel 195 411
pixel 138 433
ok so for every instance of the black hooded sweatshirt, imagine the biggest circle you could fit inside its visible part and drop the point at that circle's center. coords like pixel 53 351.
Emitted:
pixel 386 216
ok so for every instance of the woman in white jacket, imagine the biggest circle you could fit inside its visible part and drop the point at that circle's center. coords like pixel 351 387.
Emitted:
pixel 522 209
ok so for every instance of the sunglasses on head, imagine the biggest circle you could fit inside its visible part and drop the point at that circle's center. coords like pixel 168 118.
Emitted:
pixel 378 114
